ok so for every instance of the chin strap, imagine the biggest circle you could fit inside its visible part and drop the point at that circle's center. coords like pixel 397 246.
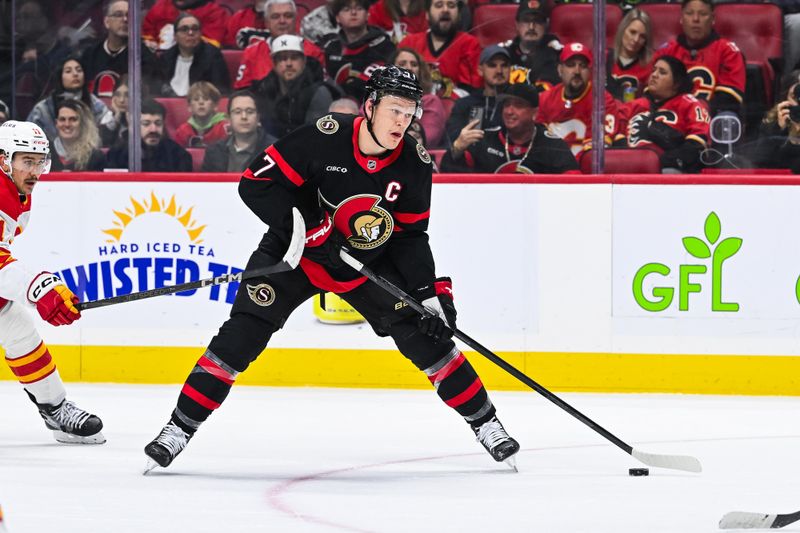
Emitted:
pixel 369 126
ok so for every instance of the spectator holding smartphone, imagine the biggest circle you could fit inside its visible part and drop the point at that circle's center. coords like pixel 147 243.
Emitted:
pixel 778 144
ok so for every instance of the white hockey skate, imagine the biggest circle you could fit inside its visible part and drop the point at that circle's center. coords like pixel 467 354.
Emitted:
pixel 72 425
pixel 166 446
pixel 492 435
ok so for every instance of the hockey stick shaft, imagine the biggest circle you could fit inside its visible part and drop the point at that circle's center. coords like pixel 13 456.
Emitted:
pixel 679 462
pixel 289 261
pixel 742 520
pixel 192 285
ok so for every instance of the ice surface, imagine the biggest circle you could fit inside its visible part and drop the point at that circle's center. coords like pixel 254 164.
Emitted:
pixel 275 460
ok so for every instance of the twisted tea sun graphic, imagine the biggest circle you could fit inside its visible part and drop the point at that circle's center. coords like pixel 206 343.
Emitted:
pixel 153 205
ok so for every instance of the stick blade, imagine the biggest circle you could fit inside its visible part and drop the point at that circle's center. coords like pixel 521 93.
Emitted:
pixel 298 242
pixel 741 520
pixel 687 463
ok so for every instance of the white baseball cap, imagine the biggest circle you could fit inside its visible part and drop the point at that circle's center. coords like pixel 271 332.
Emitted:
pixel 286 43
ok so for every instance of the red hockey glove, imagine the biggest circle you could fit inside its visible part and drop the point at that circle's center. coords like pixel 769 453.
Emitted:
pixel 438 298
pixel 54 301
pixel 324 242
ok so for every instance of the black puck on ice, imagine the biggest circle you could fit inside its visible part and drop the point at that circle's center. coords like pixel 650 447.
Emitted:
pixel 638 472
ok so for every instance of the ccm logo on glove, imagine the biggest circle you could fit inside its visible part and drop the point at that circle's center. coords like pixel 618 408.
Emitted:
pixel 54 301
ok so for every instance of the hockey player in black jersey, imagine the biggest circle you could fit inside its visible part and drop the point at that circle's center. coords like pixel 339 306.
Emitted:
pixel 519 145
pixel 361 183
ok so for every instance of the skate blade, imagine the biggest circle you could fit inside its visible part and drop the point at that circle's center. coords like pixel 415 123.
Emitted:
pixel 68 438
pixel 149 466
pixel 512 463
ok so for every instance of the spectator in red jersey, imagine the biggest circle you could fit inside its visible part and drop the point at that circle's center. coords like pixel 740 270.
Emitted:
pixel 357 48
pixel 533 52
pixel 715 65
pixel 244 22
pixel 319 23
pixel 158 30
pixel 205 125
pixel 630 63
pixel 451 54
pixel 280 19
pixel 77 144
pixel 191 60
pixel 667 119
pixel 566 109
pixel 399 17
pixel 434 114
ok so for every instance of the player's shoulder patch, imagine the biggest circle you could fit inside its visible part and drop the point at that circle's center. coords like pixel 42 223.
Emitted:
pixel 328 125
pixel 423 154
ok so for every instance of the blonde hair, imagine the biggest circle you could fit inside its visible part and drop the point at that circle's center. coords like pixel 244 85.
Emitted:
pixel 646 53
pixel 80 151
pixel 203 88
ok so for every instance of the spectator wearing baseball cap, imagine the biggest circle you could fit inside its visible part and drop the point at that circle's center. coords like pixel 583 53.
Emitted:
pixel 566 109
pixel 292 94
pixel 534 52
pixel 517 145
pixel 481 104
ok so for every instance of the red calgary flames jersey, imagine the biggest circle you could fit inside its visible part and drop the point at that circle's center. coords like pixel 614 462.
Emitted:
pixel 717 67
pixel 15 211
pixel 572 119
pixel 684 113
pixel 456 63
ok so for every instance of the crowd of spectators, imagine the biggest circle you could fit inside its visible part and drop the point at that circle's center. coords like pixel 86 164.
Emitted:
pixel 524 104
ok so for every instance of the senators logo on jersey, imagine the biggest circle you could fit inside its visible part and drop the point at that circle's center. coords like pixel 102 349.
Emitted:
pixel 365 224
pixel 262 294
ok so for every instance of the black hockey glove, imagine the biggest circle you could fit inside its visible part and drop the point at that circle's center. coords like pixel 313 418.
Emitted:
pixel 324 243
pixel 664 136
pixel 438 298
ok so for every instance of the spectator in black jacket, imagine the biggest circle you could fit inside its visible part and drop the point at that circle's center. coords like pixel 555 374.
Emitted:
pixel 534 52
pixel 246 141
pixel 159 152
pixel 293 93
pixel 192 60
pixel 494 69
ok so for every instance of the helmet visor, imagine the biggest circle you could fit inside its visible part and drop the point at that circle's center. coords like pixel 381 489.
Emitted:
pixel 28 164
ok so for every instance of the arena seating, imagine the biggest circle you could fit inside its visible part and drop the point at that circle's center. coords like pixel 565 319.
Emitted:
pixel 493 23
pixel 624 161
pixel 666 21
pixel 178 112
pixel 233 58
pixel 575 22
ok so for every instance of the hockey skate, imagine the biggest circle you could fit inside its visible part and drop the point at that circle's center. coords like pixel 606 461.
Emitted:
pixel 72 425
pixel 492 435
pixel 166 446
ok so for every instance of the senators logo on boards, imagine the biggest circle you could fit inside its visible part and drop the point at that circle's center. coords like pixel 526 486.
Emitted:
pixel 365 224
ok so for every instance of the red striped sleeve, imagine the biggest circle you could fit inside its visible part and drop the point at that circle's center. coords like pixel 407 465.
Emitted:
pixel 285 167
pixel 411 218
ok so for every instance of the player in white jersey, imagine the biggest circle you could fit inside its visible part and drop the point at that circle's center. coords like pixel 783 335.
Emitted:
pixel 24 157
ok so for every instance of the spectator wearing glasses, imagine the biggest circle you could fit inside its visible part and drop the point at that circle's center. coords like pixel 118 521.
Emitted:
pixel 191 60
pixel 158 29
pixel 246 140
pixel 356 49
pixel 77 145
pixel 106 60
pixel 281 19
pixel 205 125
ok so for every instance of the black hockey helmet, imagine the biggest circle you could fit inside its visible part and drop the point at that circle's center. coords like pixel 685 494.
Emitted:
pixel 395 81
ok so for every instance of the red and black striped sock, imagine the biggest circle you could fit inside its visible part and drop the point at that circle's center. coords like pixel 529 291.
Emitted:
pixel 204 391
pixel 459 386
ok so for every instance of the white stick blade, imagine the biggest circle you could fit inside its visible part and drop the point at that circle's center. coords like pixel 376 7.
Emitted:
pixel 686 463
pixel 740 520
pixel 298 242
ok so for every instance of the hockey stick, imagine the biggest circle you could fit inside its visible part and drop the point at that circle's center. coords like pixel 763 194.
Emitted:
pixel 741 520
pixel 677 462
pixel 289 261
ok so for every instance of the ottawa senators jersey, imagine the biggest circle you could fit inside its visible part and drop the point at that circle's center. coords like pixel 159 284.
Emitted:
pixel 630 80
pixel 351 64
pixel 683 113
pixel 716 67
pixel 380 204
pixel 454 65
pixel 572 119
